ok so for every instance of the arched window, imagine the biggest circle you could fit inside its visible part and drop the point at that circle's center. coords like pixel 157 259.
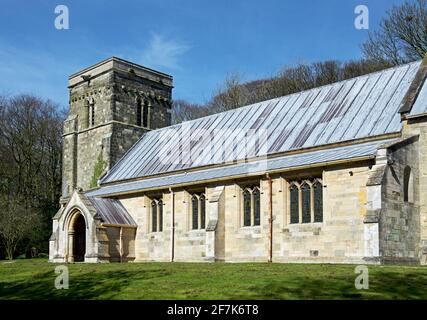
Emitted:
pixel 257 206
pixel 145 114
pixel 306 202
pixel 138 112
pixel 246 208
pixel 294 205
pixel 160 209
pixel 408 185
pixel 157 215
pixel 153 216
pixel 198 211
pixel 251 206
pixel 318 201
pixel 195 212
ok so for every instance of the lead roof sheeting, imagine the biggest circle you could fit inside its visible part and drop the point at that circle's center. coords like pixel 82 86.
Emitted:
pixel 420 105
pixel 284 162
pixel 111 211
pixel 357 108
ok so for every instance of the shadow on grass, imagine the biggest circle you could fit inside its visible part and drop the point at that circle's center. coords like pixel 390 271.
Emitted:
pixel 382 285
pixel 188 281
pixel 91 285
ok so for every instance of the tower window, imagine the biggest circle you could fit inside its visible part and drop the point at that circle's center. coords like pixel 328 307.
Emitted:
pixel 145 115
pixel 251 206
pixel 91 113
pixel 138 113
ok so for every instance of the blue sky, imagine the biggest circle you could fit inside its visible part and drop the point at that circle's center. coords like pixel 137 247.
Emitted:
pixel 199 42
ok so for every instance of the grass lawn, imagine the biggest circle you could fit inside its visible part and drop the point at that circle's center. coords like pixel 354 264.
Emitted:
pixel 34 279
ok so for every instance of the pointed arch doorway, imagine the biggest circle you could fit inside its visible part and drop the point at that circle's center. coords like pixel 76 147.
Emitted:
pixel 77 238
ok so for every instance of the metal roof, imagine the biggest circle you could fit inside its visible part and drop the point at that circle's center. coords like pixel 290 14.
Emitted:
pixel 111 211
pixel 355 151
pixel 420 105
pixel 357 108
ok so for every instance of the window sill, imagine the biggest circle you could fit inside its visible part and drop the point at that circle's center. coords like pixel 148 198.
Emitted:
pixel 314 224
pixel 250 230
pixel 250 227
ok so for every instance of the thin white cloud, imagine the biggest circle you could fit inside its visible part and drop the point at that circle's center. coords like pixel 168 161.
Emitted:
pixel 163 52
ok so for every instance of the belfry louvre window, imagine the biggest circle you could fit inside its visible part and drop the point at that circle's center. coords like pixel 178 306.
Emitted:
pixel 156 215
pixel 306 201
pixel 198 211
pixel 138 113
pixel 251 206
pixel 145 114
pixel 91 113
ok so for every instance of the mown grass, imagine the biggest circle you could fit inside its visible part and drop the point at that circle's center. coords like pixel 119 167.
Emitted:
pixel 34 279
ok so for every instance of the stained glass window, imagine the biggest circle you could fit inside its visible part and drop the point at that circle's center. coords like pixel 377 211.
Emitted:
pixel 246 208
pixel 318 201
pixel 306 203
pixel 294 198
pixel 256 196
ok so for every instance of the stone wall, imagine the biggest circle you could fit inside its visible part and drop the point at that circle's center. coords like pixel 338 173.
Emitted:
pixel 418 128
pixel 399 223
pixel 112 88
pixel 340 238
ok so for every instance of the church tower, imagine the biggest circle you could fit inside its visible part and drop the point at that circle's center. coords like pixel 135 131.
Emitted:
pixel 112 103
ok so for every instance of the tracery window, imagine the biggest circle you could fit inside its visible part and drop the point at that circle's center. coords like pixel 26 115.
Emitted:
pixel 251 206
pixel 198 211
pixel 156 215
pixel 306 201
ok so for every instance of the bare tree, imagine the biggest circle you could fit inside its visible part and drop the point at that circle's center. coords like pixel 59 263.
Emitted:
pixel 30 160
pixel 185 111
pixel 402 35
pixel 232 94
pixel 16 223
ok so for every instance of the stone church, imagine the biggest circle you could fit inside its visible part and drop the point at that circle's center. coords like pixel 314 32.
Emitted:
pixel 335 174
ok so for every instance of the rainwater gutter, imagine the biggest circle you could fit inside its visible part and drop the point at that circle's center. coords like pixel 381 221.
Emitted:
pixel 270 218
